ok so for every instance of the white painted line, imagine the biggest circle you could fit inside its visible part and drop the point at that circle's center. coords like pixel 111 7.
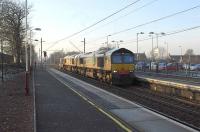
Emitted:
pixel 174 84
pixel 128 101
pixel 118 122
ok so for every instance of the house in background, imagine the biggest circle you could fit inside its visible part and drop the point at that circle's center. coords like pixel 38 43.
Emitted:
pixel 141 57
pixel 193 59
pixel 6 58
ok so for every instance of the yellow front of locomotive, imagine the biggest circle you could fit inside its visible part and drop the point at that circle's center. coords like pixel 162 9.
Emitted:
pixel 122 67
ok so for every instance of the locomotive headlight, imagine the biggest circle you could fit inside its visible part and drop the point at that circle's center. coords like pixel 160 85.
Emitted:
pixel 115 71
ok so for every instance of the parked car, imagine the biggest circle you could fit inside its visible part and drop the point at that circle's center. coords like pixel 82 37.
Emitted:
pixel 192 67
pixel 185 66
pixel 147 66
pixel 153 65
pixel 195 67
pixel 162 66
pixel 140 65
pixel 171 66
pixel 198 67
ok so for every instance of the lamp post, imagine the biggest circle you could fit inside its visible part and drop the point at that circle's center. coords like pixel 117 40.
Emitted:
pixel 26 51
pixel 167 49
pixel 151 35
pixel 1 41
pixel 117 43
pixel 157 34
pixel 181 58
pixel 39 56
pixel 137 42
pixel 83 45
pixel 36 29
pixel 2 60
pixel 1 46
pixel 34 59
pixel 41 50
pixel 107 41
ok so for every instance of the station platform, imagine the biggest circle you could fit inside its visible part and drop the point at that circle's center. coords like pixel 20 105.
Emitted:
pixel 59 109
pixel 171 80
pixel 180 86
pixel 65 102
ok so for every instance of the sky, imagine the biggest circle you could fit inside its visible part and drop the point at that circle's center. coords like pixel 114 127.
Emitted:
pixel 59 19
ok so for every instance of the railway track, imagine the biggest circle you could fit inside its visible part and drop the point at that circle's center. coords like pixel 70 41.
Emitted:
pixel 175 108
pixel 168 106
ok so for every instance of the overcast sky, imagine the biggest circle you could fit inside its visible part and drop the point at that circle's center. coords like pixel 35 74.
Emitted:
pixel 61 18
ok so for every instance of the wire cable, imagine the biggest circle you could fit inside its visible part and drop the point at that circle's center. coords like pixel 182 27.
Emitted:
pixel 133 11
pixel 166 34
pixel 95 23
pixel 162 18
pixel 75 46
pixel 150 22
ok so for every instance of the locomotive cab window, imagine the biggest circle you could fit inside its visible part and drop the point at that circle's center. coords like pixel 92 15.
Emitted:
pixel 128 58
pixel 125 58
pixel 116 59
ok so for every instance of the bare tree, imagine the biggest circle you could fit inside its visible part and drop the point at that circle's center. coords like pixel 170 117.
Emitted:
pixel 54 57
pixel 189 52
pixel 158 53
pixel 105 48
pixel 12 27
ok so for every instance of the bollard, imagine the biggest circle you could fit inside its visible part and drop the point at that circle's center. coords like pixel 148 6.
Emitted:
pixel 27 84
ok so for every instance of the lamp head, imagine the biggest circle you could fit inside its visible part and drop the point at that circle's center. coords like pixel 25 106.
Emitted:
pixel 38 29
pixel 162 33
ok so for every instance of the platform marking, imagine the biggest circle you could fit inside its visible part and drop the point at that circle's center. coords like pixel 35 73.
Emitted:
pixel 96 106
pixel 157 114
pixel 176 84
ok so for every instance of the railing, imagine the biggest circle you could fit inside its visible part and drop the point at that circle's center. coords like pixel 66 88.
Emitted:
pixel 10 71
pixel 179 73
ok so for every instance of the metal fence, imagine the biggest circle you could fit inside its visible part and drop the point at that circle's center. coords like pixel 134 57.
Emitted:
pixel 176 73
pixel 12 79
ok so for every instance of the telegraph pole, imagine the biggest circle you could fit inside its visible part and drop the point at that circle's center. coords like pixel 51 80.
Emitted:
pixel 30 45
pixel 41 52
pixel 26 53
pixel 137 45
pixel 39 55
pixel 1 48
pixel 1 60
pixel 84 44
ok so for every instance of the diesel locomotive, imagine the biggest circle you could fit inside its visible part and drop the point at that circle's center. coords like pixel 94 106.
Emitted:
pixel 114 66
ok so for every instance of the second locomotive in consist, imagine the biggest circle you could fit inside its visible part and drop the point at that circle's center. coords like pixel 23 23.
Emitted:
pixel 115 66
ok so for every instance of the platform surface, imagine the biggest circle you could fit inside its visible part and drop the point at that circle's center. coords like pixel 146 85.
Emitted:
pixel 133 114
pixel 58 109
pixel 165 77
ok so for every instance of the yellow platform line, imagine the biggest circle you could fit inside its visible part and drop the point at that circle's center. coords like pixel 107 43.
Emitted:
pixel 118 122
